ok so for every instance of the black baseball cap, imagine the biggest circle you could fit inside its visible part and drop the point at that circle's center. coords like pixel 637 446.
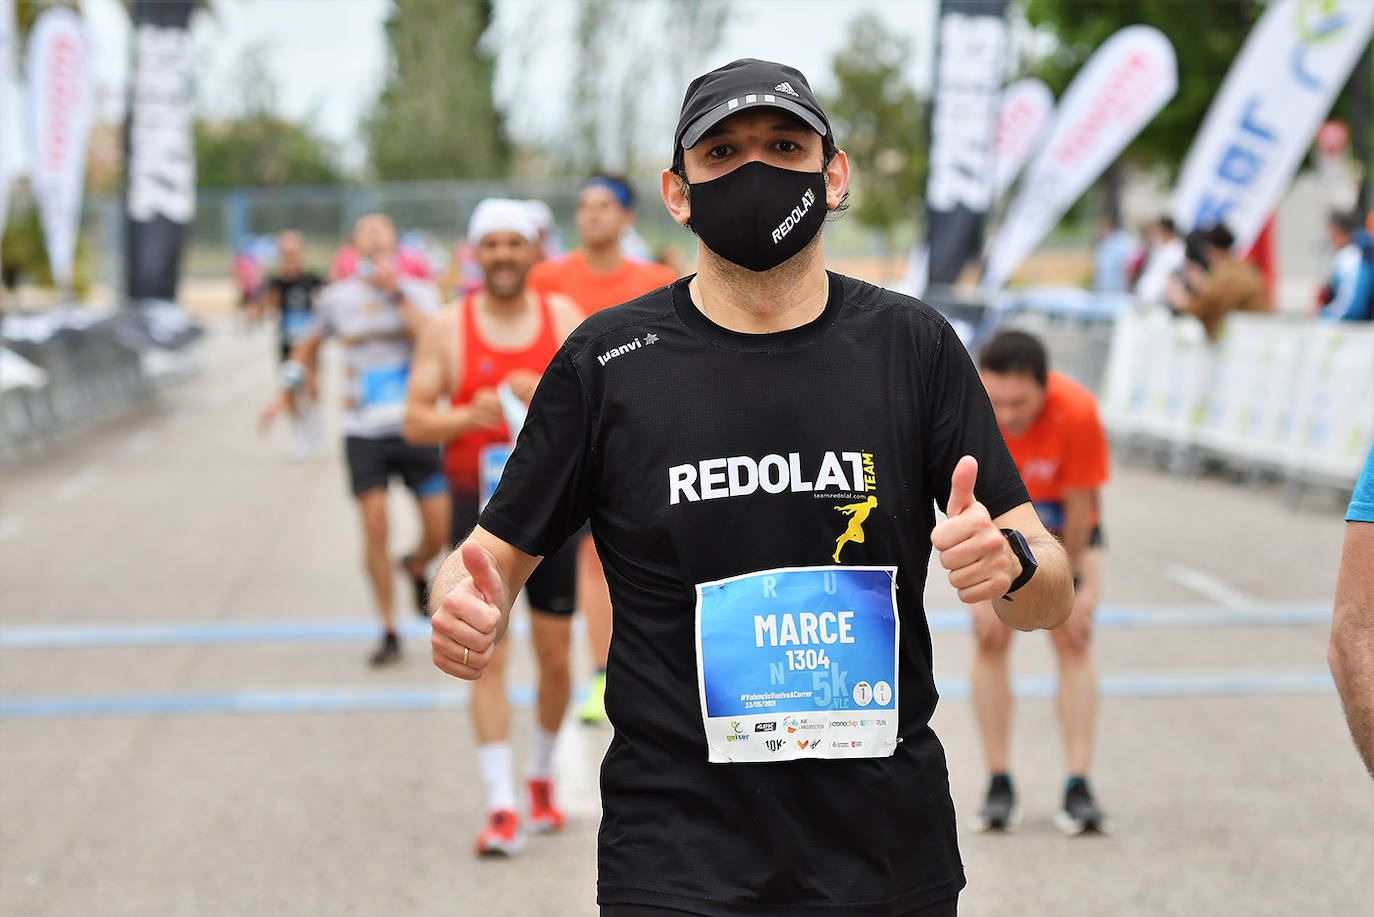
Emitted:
pixel 741 84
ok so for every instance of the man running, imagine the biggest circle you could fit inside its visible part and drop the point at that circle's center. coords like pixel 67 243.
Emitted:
pixel 501 336
pixel 289 294
pixel 699 429
pixel 598 275
pixel 1051 426
pixel 375 315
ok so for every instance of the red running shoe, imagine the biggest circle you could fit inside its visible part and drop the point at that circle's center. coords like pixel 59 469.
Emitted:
pixel 544 815
pixel 501 835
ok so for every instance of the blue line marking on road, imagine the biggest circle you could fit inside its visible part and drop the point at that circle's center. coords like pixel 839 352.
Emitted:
pixel 946 620
pixel 1119 686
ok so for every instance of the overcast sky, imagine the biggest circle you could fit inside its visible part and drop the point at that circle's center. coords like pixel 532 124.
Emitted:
pixel 327 56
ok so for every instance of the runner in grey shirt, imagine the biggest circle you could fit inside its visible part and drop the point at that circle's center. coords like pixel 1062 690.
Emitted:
pixel 375 315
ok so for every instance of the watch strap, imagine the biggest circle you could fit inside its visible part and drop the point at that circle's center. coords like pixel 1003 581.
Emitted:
pixel 1021 549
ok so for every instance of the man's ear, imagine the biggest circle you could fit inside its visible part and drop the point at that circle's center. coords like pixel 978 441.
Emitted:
pixel 675 196
pixel 836 179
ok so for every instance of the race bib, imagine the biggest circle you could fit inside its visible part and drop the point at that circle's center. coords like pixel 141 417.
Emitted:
pixel 799 662
pixel 491 461
pixel 382 393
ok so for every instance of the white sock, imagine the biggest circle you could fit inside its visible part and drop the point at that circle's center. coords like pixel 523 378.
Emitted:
pixel 541 754
pixel 494 761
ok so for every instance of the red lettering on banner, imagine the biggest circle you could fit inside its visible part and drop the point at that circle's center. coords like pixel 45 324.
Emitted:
pixel 1125 91
pixel 64 71
pixel 1014 119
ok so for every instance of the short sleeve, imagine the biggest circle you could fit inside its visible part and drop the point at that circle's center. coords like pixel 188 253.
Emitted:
pixel 1083 465
pixel 322 323
pixel 1362 503
pixel 423 296
pixel 545 490
pixel 962 423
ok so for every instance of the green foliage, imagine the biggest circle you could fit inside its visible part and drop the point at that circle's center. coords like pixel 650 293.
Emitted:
pixel 618 88
pixel 257 147
pixel 1206 38
pixel 26 11
pixel 436 117
pixel 260 151
pixel 24 257
pixel 879 122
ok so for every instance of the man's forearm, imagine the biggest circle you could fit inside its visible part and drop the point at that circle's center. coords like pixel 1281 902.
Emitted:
pixel 1351 651
pixel 1351 655
pixel 1047 599
pixel 431 426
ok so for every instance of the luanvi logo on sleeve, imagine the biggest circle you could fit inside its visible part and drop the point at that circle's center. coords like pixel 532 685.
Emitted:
pixel 633 344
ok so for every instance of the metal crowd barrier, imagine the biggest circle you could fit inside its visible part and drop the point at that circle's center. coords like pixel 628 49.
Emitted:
pixel 1277 395
pixel 71 367
pixel 1075 325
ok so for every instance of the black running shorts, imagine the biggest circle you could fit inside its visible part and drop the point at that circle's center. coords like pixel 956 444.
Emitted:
pixel 372 462
pixel 552 587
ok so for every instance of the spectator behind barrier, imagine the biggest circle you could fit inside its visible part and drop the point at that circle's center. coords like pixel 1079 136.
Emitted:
pixel 1112 256
pixel 1163 261
pixel 1346 295
pixel 1215 283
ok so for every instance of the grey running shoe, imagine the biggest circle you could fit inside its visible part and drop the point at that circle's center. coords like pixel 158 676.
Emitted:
pixel 999 811
pixel 421 586
pixel 387 652
pixel 1081 812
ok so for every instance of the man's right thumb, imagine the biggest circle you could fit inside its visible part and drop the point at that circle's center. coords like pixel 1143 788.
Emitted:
pixel 482 570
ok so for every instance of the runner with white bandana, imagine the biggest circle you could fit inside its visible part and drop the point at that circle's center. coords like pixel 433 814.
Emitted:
pixel 483 357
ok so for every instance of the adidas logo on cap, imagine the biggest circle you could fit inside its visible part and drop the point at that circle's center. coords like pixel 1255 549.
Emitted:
pixel 787 88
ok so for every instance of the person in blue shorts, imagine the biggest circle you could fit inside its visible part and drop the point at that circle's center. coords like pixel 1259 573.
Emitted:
pixel 375 314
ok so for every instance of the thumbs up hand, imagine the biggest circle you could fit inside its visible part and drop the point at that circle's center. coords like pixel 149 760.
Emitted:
pixel 467 621
pixel 975 552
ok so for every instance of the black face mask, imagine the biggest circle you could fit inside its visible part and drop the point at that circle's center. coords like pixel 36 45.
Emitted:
pixel 759 215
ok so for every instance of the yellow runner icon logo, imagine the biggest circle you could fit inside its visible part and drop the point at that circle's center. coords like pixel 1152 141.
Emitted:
pixel 858 514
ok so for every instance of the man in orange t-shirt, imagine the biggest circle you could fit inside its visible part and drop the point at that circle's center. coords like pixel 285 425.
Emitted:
pixel 597 276
pixel 1051 426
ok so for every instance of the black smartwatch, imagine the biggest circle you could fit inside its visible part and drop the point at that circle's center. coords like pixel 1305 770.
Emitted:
pixel 1022 550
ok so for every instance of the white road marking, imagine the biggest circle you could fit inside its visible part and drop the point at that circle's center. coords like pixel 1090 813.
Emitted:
pixel 10 526
pixel 79 483
pixel 1209 586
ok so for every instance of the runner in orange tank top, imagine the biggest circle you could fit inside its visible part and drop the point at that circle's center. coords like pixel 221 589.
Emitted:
pixel 599 275
pixel 483 358
pixel 1051 427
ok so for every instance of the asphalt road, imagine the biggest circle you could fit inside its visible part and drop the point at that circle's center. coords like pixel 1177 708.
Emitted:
pixel 187 725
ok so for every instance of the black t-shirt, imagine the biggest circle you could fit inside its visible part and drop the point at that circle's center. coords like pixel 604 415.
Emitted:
pixel 641 392
pixel 295 303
